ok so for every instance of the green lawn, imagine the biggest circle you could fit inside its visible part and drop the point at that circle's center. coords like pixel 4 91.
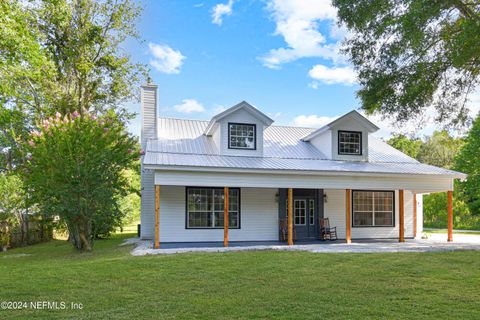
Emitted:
pixel 454 232
pixel 244 285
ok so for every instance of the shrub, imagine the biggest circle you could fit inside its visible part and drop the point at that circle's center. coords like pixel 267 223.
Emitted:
pixel 76 170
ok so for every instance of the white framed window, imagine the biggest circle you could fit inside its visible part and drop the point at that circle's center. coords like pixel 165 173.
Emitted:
pixel 311 211
pixel 300 212
pixel 205 208
pixel 242 136
pixel 350 143
pixel 373 209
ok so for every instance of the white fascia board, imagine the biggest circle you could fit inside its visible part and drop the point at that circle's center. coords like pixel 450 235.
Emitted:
pixel 299 172
pixel 257 180
pixel 370 126
pixel 242 105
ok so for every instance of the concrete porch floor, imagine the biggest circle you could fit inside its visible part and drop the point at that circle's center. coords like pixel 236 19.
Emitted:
pixel 436 242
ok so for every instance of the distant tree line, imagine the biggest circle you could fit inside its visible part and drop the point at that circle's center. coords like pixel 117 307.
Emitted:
pixel 457 153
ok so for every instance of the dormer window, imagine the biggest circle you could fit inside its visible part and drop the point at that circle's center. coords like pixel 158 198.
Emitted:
pixel 242 136
pixel 350 143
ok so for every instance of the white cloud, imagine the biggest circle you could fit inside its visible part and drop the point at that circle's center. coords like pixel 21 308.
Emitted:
pixel 297 21
pixel 189 106
pixel 387 126
pixel 165 59
pixel 334 75
pixel 312 121
pixel 218 108
pixel 220 10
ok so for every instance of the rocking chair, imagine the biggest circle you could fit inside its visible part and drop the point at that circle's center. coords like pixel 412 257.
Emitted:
pixel 283 229
pixel 327 232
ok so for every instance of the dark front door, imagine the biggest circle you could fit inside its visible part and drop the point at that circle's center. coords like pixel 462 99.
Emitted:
pixel 305 217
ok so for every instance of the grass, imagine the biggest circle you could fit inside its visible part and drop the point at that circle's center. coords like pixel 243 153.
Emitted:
pixel 454 232
pixel 112 284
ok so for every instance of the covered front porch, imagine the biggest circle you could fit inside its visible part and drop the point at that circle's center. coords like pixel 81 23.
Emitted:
pixel 261 194
pixel 359 246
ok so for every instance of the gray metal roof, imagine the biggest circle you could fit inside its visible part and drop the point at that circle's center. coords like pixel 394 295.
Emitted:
pixel 182 143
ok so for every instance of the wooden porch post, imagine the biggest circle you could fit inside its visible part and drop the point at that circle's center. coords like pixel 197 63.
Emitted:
pixel 348 237
pixel 414 215
pixel 290 216
pixel 450 216
pixel 401 237
pixel 225 216
pixel 157 217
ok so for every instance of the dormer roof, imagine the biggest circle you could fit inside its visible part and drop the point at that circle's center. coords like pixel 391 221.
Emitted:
pixel 267 121
pixel 352 115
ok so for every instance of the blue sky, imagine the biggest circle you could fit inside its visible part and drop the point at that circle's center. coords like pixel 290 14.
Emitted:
pixel 282 56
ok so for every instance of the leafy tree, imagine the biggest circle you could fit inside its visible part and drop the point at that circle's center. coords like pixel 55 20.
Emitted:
pixel 435 209
pixel 412 54
pixel 12 130
pixel 11 199
pixel 130 204
pixel 440 149
pixel 65 55
pixel 76 170
pixel 468 161
pixel 408 146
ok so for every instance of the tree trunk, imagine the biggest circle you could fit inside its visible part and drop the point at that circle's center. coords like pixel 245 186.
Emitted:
pixel 80 233
pixel 4 235
pixel 24 228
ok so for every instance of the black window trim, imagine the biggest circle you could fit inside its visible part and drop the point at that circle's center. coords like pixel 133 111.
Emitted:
pixel 254 135
pixel 394 209
pixel 349 154
pixel 213 228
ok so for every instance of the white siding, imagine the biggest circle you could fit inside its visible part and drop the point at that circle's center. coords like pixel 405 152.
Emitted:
pixel 147 216
pixel 259 217
pixel 323 143
pixel 350 125
pixel 335 211
pixel 240 116
pixel 419 215
pixel 149 113
pixel 149 131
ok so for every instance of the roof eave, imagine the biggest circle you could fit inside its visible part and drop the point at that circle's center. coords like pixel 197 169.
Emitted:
pixel 267 121
pixel 370 126
pixel 453 175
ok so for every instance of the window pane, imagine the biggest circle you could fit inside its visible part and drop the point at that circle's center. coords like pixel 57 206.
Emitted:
pixel 363 208
pixel 383 218
pixel 242 136
pixel 362 201
pixel 219 219
pixel 200 219
pixel 349 142
pixel 383 201
pixel 311 208
pixel 205 208
pixel 373 208
pixel 299 212
pixel 233 219
pixel 362 218
pixel 383 208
